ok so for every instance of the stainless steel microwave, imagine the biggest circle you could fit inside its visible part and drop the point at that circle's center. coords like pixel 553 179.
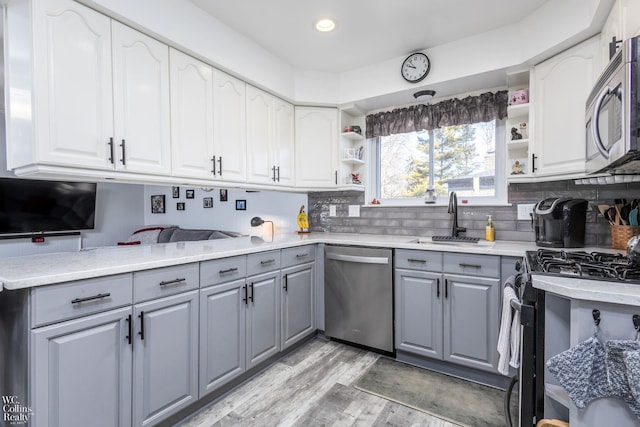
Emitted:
pixel 613 115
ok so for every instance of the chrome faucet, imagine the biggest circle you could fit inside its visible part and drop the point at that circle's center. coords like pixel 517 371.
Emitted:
pixel 453 209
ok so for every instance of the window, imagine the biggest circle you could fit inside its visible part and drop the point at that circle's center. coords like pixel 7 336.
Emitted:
pixel 463 158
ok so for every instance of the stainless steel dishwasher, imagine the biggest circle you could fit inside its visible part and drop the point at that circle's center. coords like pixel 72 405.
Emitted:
pixel 358 286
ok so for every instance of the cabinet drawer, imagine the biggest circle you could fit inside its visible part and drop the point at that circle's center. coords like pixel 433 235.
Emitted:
pixel 471 264
pixel 263 262
pixel 80 298
pixel 298 255
pixel 418 260
pixel 222 270
pixel 162 282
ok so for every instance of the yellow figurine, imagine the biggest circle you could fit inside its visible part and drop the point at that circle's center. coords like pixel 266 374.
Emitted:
pixel 303 221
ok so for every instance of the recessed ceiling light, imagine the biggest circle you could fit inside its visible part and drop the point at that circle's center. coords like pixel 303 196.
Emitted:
pixel 325 25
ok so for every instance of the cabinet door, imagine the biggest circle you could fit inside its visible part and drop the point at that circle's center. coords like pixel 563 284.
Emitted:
pixel 471 321
pixel 73 85
pixel 560 89
pixel 284 141
pixel 263 317
pixel 297 303
pixel 230 133
pixel 316 151
pixel 630 10
pixel 222 334
pixel 81 372
pixel 191 117
pixel 165 357
pixel 418 312
pixel 260 164
pixel 141 102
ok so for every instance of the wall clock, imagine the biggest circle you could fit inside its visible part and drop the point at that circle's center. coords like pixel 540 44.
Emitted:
pixel 415 67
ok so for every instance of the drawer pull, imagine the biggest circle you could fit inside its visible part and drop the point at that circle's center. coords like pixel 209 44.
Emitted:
pixel 470 265
pixel 171 282
pixel 268 261
pixel 421 261
pixel 302 255
pixel 286 284
pixel 99 296
pixel 228 270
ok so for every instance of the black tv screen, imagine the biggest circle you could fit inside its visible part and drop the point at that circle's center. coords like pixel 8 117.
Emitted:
pixel 33 206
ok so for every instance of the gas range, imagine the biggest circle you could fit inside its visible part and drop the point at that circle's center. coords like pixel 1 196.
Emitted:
pixel 583 265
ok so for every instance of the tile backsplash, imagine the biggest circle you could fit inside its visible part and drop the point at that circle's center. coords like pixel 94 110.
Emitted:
pixel 434 220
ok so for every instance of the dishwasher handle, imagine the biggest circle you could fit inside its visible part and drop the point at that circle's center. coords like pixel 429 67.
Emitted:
pixel 359 259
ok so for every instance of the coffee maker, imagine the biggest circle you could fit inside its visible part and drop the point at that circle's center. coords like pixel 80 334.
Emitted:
pixel 560 222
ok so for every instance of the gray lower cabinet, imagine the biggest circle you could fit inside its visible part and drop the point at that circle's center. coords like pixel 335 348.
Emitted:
pixel 297 303
pixel 165 357
pixel 263 317
pixel 81 371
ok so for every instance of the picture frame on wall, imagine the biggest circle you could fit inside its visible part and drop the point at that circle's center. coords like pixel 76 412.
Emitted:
pixel 180 206
pixel 223 195
pixel 191 194
pixel 241 205
pixel 176 192
pixel 157 204
pixel 207 202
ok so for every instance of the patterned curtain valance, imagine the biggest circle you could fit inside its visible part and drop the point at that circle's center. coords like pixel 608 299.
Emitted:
pixel 472 109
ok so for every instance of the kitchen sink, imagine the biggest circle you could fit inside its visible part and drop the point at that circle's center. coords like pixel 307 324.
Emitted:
pixel 450 241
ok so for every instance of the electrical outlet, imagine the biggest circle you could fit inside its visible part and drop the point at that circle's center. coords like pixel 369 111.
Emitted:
pixel 525 211
pixel 354 210
pixel 332 210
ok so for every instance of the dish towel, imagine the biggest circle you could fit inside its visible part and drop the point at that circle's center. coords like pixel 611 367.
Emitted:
pixel 509 336
pixel 619 366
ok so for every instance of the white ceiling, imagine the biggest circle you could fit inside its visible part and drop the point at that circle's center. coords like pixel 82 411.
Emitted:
pixel 368 31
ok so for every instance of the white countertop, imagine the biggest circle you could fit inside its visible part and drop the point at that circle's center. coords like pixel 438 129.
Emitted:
pixel 36 270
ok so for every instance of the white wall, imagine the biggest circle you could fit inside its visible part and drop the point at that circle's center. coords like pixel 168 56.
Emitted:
pixel 281 208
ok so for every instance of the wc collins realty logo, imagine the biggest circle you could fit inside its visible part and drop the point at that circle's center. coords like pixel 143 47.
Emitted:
pixel 13 412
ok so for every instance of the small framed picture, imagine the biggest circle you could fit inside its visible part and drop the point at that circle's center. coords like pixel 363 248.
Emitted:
pixel 180 206
pixel 176 192
pixel 223 195
pixel 191 194
pixel 207 202
pixel 157 204
pixel 241 205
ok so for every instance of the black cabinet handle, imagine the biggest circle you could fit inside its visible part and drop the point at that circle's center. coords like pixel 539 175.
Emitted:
pixel 123 153
pixel 171 282
pixel 336 177
pixel 286 284
pixel 141 317
pixel 438 288
pixel 302 255
pixel 273 173
pixel 251 296
pixel 228 270
pixel 244 300
pixel 99 296
pixel 110 144
pixel 268 261
pixel 476 266
pixel 446 288
pixel 220 165
pixel 213 160
pixel 278 170
pixel 421 261
pixel 533 162
pixel 129 328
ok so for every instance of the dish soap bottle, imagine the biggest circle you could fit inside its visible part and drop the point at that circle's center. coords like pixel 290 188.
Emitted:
pixel 490 231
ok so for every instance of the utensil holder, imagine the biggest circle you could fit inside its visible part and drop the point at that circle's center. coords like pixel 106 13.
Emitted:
pixel 620 235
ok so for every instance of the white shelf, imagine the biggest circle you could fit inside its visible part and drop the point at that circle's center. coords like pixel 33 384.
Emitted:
pixel 353 161
pixel 353 136
pixel 518 110
pixel 516 144
pixel 558 394
pixel 355 187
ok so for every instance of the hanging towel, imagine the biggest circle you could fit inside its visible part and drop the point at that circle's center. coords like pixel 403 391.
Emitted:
pixel 617 371
pixel 509 336
pixel 632 364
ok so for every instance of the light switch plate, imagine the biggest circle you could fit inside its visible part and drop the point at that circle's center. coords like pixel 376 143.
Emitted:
pixel 354 210
pixel 332 210
pixel 524 210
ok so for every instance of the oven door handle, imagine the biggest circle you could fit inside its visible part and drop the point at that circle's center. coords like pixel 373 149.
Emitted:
pixel 526 312
pixel 595 125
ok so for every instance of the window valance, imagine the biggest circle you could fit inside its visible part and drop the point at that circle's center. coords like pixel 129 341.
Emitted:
pixel 472 109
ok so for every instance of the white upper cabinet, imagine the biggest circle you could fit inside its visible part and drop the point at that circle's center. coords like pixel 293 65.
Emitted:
pixel 270 139
pixel 230 134
pixel 191 117
pixel 622 23
pixel 560 87
pixel 141 102
pixel 72 82
pixel 316 130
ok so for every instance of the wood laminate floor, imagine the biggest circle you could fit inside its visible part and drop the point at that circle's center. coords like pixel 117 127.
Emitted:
pixel 311 386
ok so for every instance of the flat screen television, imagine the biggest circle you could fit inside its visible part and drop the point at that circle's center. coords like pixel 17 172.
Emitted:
pixel 32 206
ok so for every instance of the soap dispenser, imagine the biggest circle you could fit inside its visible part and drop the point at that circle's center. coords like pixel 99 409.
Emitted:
pixel 490 231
